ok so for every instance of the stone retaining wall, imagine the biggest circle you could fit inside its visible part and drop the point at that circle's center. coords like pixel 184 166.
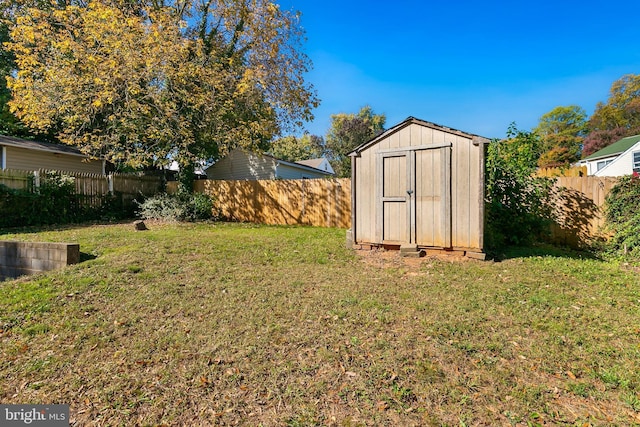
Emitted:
pixel 20 258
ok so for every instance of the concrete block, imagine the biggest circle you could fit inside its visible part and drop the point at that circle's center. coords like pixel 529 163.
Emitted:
pixel 73 253
pixel 38 264
pixel 349 239
pixel 476 255
pixel 11 250
pixel 20 258
pixel 408 248
pixel 416 254
pixel 41 253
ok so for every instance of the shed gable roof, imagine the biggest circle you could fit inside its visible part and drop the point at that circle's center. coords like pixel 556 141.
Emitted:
pixel 617 147
pixel 409 121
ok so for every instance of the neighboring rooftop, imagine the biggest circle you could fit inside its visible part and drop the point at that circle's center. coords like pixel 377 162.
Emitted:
pixel 617 147
pixel 38 145
pixel 314 163
pixel 320 163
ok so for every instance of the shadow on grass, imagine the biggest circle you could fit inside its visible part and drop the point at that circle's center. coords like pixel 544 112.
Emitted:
pixel 540 250
pixel 86 257
pixel 32 229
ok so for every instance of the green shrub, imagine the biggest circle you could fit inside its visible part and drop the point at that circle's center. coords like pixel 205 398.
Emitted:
pixel 56 197
pixel 55 201
pixel 622 215
pixel 517 207
pixel 182 206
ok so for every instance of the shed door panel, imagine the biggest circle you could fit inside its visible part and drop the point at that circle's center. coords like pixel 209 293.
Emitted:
pixel 395 206
pixel 432 197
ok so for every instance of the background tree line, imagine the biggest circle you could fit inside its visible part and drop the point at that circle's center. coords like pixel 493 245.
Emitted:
pixel 142 83
pixel 145 82
pixel 346 132
pixel 562 136
pixel 567 133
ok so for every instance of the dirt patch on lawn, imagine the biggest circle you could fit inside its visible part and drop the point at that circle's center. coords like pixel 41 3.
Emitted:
pixel 392 259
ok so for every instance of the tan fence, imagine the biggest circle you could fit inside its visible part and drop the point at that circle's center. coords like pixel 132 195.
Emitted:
pixel 579 202
pixel 18 180
pixel 318 202
pixel 560 172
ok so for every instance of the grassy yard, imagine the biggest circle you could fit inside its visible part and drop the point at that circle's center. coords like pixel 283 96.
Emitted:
pixel 226 324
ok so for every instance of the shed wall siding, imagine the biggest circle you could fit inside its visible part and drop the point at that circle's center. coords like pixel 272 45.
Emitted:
pixel 466 185
pixel 23 159
pixel 365 196
pixel 466 193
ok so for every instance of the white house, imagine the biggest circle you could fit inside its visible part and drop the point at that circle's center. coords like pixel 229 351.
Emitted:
pixel 618 159
pixel 245 165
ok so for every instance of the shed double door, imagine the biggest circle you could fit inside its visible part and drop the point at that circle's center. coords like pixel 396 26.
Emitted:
pixel 416 196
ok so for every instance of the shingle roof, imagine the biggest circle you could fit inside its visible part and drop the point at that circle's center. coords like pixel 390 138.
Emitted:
pixel 39 146
pixel 314 163
pixel 297 165
pixel 617 147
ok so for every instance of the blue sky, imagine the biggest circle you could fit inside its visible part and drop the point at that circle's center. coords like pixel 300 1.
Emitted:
pixel 475 66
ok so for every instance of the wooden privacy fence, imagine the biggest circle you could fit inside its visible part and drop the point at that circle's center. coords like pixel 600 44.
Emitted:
pixel 317 202
pixel 578 204
pixel 16 179
pixel 91 189
pixel 559 172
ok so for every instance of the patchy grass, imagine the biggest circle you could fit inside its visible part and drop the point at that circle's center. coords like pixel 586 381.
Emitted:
pixel 255 325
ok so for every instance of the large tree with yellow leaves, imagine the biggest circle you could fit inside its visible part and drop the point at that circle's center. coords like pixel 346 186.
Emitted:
pixel 145 83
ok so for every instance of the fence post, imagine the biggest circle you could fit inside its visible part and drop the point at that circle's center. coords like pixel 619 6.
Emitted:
pixel 36 179
pixel 110 183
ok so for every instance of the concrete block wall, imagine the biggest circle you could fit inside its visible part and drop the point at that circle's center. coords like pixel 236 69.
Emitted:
pixel 20 258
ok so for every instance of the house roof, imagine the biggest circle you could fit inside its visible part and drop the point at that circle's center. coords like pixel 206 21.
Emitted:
pixel 617 147
pixel 298 165
pixel 412 120
pixel 314 163
pixel 11 141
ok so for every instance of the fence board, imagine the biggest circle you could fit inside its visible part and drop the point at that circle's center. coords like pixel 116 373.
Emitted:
pixel 16 179
pixel 317 202
pixel 562 172
pixel 579 204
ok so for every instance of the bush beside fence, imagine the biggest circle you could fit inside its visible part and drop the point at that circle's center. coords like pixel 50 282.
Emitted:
pixel 51 197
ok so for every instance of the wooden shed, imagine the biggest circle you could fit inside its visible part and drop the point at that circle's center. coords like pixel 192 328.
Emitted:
pixel 419 185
